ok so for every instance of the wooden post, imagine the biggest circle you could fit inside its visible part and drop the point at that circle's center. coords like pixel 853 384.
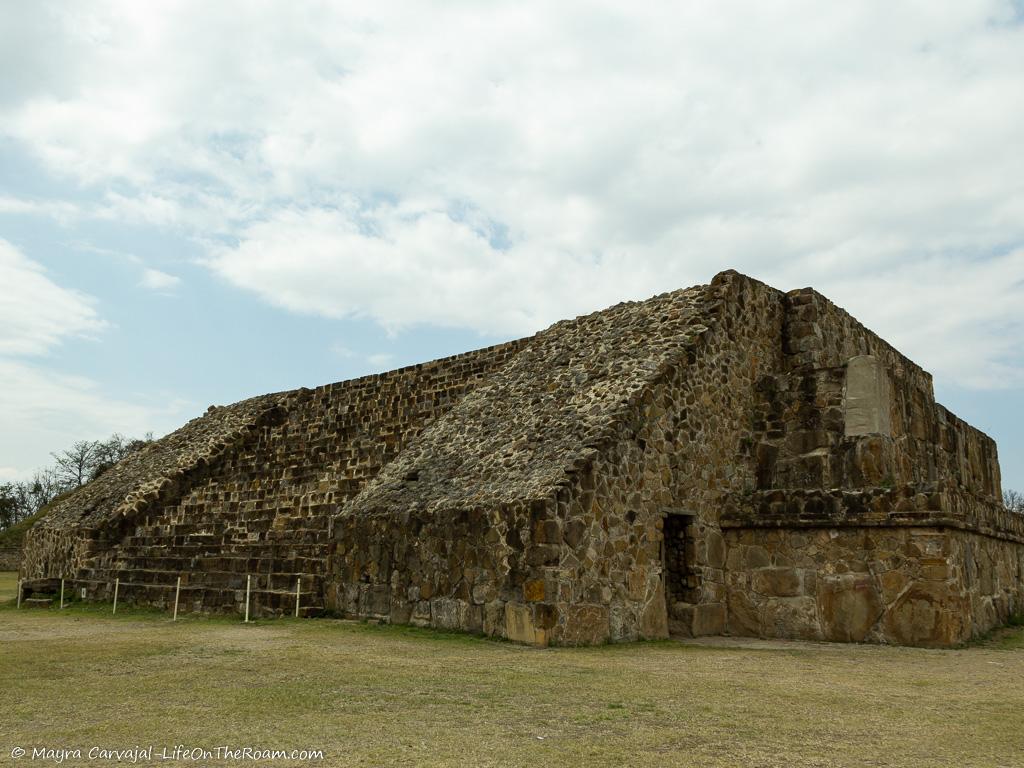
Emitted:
pixel 177 594
pixel 62 594
pixel 298 588
pixel 20 582
pixel 117 583
pixel 248 585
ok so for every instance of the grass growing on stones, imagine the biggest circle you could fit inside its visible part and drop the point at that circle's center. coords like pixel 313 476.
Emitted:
pixel 372 695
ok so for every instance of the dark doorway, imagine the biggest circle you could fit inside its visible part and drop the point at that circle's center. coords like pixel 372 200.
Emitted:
pixel 681 580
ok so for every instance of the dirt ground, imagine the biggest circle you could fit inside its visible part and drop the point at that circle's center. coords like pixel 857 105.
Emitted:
pixel 378 695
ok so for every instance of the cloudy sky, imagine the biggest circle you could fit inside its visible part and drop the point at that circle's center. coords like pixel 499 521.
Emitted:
pixel 203 201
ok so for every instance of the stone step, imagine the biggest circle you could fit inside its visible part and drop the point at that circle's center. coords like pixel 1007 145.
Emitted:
pixel 230 537
pixel 253 549
pixel 276 581
pixel 38 602
pixel 201 599
pixel 241 563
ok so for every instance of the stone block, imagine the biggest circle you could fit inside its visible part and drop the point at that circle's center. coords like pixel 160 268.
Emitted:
pixel 484 593
pixel 494 618
pixel 636 584
pixel 654 617
pixel 421 614
pixel 520 626
pixel 575 530
pixel 743 617
pixel 584 625
pixel 777 582
pixel 715 549
pixel 849 606
pixel 375 600
pixel 448 613
pixel 401 612
pixel 791 617
pixel 533 591
pixel 928 614
pixel 938 572
pixel 756 557
pixel 708 619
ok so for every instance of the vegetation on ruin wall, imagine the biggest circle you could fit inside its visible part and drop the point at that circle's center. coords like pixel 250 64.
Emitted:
pixel 373 695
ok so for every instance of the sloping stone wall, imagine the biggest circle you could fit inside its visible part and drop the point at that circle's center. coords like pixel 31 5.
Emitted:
pixel 88 521
pixel 533 510
pixel 260 504
pixel 683 451
pixel 451 532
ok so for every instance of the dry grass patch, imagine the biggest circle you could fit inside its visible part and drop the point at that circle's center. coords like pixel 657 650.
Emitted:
pixel 371 695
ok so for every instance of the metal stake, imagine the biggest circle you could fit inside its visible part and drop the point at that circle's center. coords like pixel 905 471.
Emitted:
pixel 248 585
pixel 62 594
pixel 177 594
pixel 298 587
pixel 117 583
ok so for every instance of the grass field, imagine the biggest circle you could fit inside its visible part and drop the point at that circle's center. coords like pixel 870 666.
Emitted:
pixel 8 586
pixel 375 695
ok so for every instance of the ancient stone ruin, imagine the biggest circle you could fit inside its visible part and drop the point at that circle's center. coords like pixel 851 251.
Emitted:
pixel 722 459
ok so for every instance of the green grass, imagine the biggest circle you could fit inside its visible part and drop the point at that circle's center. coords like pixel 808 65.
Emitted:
pixel 379 695
pixel 8 586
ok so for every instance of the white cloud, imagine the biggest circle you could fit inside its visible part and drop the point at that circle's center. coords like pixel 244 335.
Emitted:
pixel 61 211
pixel 413 268
pixel 158 281
pixel 499 167
pixel 36 313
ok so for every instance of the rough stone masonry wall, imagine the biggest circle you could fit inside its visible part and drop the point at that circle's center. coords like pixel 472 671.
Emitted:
pixel 533 510
pixel 681 451
pixel 877 514
pixel 448 534
pixel 809 423
pixel 908 585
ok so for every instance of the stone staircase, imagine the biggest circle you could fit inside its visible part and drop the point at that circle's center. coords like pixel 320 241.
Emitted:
pixel 259 503
pixel 216 547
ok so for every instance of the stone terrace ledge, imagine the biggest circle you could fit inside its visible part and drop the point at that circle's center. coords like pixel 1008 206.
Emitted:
pixel 933 505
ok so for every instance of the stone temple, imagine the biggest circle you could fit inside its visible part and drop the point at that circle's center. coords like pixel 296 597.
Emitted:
pixel 725 459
